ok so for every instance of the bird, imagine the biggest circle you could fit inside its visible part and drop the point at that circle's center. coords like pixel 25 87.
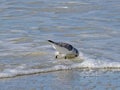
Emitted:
pixel 64 50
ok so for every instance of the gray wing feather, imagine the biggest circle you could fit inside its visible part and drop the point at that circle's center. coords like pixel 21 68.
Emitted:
pixel 61 44
pixel 65 45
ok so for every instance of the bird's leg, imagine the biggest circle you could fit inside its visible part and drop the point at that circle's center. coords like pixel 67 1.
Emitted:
pixel 56 56
pixel 76 55
pixel 65 57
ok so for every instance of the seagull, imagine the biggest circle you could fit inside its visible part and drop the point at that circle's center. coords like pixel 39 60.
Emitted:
pixel 64 50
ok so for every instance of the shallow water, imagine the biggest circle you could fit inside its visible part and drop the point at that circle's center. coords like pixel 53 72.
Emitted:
pixel 68 79
pixel 26 25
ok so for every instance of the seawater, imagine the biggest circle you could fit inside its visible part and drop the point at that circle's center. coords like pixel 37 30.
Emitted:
pixel 90 26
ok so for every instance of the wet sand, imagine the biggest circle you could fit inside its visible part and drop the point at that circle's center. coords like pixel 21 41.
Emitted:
pixel 64 80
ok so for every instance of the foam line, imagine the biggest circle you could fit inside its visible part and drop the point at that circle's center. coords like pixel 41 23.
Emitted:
pixel 8 73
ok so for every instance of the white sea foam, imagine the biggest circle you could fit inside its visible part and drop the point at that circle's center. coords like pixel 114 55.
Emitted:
pixel 88 64
pixel 82 62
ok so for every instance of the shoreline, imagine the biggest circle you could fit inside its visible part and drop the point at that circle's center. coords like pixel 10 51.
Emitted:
pixel 63 80
pixel 87 69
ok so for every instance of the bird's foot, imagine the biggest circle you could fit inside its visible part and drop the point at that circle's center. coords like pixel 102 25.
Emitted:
pixel 65 57
pixel 56 56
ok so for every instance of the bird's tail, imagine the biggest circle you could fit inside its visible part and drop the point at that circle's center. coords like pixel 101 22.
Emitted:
pixel 51 41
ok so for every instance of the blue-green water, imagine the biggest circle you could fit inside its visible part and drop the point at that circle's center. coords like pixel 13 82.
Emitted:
pixel 92 26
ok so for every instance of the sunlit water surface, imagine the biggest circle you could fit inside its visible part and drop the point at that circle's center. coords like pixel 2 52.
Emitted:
pixel 90 26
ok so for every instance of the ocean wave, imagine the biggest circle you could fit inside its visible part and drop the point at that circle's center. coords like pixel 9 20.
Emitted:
pixel 86 65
